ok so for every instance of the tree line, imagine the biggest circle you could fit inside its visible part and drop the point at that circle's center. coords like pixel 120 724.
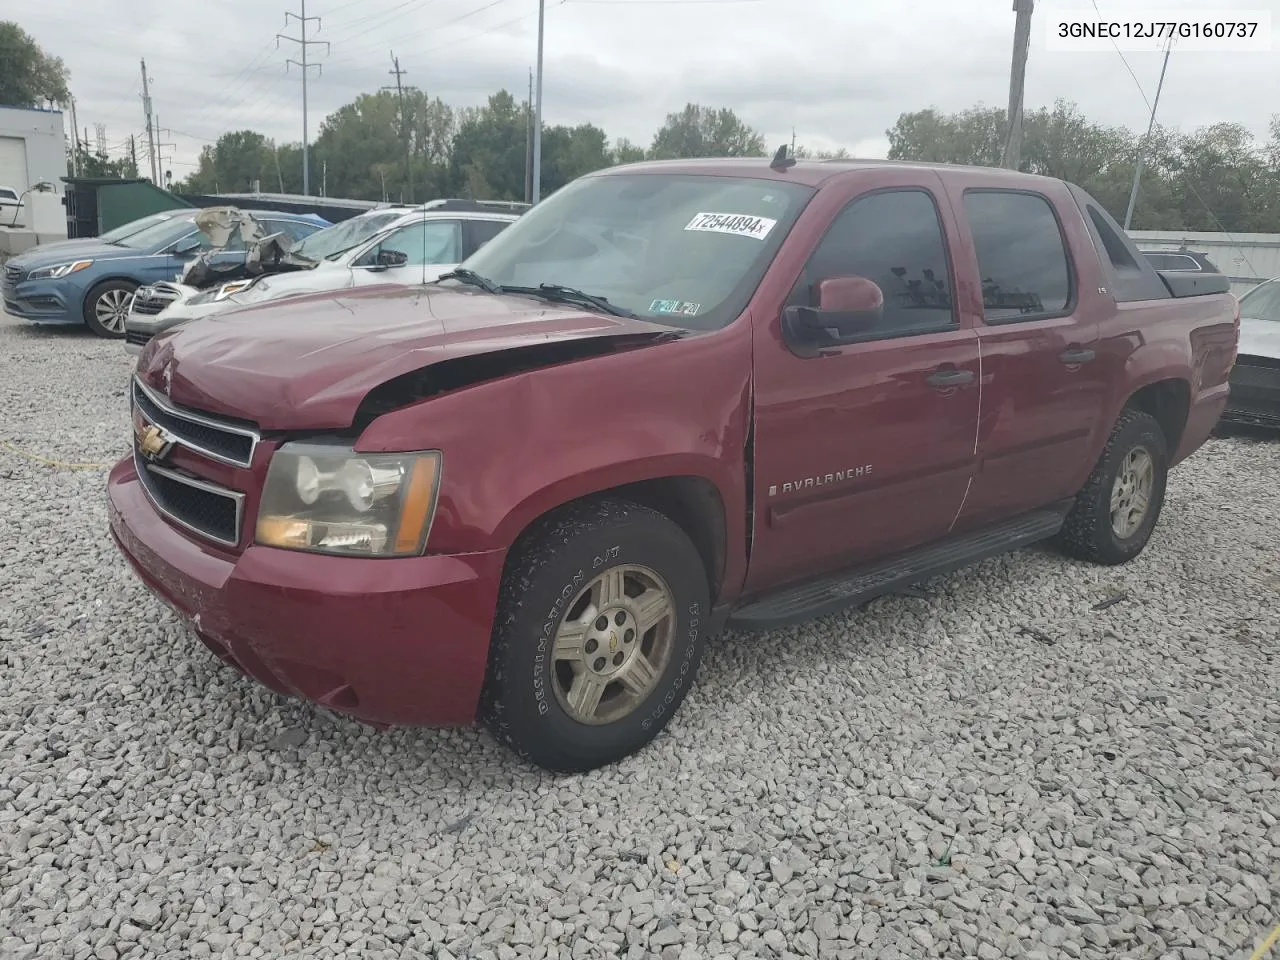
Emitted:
pixel 382 146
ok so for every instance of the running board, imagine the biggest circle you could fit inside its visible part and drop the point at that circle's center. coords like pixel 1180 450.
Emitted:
pixel 855 587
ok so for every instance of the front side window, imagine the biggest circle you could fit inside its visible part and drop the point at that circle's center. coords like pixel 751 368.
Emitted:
pixel 422 243
pixel 685 250
pixel 895 239
pixel 1262 302
pixel 1022 257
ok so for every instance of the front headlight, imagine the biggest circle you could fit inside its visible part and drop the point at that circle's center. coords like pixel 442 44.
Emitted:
pixel 58 271
pixel 328 499
pixel 218 294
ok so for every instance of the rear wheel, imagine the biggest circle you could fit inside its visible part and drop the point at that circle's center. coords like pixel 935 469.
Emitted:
pixel 597 638
pixel 1118 507
pixel 107 306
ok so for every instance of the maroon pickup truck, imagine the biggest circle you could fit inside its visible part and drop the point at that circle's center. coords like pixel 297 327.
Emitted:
pixel 671 397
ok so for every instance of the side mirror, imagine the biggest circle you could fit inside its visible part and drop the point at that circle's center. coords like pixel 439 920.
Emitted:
pixel 391 258
pixel 848 309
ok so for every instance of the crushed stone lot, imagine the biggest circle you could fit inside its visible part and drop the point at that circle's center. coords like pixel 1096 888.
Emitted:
pixel 991 768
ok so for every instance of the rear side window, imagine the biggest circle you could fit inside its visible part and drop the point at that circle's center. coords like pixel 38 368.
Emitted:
pixel 894 238
pixel 482 231
pixel 1022 256
pixel 1172 261
pixel 1131 275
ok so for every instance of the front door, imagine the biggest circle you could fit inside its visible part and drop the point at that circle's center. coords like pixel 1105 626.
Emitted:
pixel 1043 384
pixel 867 449
pixel 429 247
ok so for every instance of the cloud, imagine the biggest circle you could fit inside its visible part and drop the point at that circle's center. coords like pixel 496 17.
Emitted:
pixel 838 72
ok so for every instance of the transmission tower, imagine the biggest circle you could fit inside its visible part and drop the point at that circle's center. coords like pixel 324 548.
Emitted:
pixel 303 44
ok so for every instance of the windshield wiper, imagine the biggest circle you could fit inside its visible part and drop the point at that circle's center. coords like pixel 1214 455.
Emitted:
pixel 562 294
pixel 463 275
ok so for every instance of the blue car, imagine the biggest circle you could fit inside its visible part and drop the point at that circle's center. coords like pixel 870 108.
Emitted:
pixel 93 283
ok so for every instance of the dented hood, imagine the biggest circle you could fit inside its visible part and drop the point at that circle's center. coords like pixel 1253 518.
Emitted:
pixel 308 362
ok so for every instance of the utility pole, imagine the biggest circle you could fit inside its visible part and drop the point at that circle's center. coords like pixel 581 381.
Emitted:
pixel 159 147
pixel 133 155
pixel 75 136
pixel 1017 79
pixel 528 142
pixel 536 192
pixel 303 43
pixel 151 137
pixel 404 119
pixel 1146 143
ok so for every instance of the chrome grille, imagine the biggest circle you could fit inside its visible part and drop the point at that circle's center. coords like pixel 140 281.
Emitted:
pixel 150 301
pixel 199 506
pixel 225 442
pixel 12 274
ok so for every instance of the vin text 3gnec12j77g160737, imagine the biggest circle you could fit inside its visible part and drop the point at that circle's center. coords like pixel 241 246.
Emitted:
pixel 669 397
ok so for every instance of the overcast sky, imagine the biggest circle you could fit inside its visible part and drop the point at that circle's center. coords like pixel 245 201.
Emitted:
pixel 839 71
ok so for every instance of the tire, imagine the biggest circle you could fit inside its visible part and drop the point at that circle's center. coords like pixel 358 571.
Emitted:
pixel 102 306
pixel 552 581
pixel 1091 532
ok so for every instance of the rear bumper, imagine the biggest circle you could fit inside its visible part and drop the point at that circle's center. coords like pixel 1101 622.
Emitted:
pixel 389 642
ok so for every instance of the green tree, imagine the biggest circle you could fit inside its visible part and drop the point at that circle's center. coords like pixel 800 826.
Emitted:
pixel 28 76
pixel 698 131
pixel 488 156
pixel 95 164
pixel 973 136
pixel 624 151
pixel 570 152
pixel 233 164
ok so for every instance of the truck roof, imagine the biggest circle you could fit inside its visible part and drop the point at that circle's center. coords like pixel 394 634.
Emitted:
pixel 810 172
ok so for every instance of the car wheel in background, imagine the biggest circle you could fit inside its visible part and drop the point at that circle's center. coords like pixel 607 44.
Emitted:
pixel 107 305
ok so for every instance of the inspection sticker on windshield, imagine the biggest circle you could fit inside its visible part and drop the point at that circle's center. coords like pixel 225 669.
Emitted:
pixel 679 307
pixel 737 224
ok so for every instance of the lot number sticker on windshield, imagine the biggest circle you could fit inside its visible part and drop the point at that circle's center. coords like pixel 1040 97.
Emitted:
pixel 735 224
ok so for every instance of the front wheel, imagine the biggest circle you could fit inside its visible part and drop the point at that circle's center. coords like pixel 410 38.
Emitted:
pixel 107 306
pixel 597 638
pixel 1116 511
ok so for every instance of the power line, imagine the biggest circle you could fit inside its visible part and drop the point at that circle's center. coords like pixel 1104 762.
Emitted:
pixel 303 43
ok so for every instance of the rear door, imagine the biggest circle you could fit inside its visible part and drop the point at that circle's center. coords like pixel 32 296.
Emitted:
pixel 480 232
pixel 866 449
pixel 1043 388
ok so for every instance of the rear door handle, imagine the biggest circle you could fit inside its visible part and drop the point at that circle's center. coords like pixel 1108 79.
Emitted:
pixel 950 378
pixel 1074 355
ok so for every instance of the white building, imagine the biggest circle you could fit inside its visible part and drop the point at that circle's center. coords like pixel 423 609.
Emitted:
pixel 33 149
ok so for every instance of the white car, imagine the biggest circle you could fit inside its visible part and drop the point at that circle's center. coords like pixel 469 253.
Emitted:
pixel 403 245
pixel 1255 378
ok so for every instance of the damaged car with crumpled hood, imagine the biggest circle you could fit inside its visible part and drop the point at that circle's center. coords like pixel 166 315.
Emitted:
pixel 387 246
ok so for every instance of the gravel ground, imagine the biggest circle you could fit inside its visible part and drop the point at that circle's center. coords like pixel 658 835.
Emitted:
pixel 990 769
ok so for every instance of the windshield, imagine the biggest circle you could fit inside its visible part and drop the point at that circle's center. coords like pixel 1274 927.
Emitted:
pixel 159 235
pixel 1262 302
pixel 345 235
pixel 679 249
pixel 133 226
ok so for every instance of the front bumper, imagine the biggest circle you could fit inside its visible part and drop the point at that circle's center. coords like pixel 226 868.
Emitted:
pixel 42 301
pixel 390 642
pixel 1255 392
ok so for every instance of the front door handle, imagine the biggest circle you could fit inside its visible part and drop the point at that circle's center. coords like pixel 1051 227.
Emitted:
pixel 1074 355
pixel 950 378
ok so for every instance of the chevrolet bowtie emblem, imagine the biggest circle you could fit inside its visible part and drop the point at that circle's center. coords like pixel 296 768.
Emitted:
pixel 152 442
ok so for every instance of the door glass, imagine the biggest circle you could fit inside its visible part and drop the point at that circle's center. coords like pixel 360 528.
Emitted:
pixel 894 238
pixel 427 242
pixel 486 230
pixel 1262 302
pixel 1022 258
